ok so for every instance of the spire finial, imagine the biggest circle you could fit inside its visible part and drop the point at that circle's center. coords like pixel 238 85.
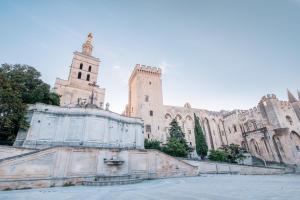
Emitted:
pixel 87 47
pixel 89 37
pixel 291 97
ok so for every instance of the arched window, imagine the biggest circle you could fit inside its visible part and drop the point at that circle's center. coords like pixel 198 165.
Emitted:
pixel 88 77
pixel 188 118
pixel 79 75
pixel 168 116
pixel 90 68
pixel 289 120
pixel 146 98
pixel 234 128
pixel 178 118
pixel 81 66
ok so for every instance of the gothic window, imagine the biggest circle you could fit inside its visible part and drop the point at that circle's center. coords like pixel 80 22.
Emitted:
pixel 81 66
pixel 289 120
pixel 243 145
pixel 146 98
pixel 149 82
pixel 247 126
pixel 90 68
pixel 151 113
pixel 242 129
pixel 88 77
pixel 148 128
pixel 79 75
pixel 189 131
pixel 234 127
pixel 168 116
pixel 178 118
pixel 188 118
pixel 254 125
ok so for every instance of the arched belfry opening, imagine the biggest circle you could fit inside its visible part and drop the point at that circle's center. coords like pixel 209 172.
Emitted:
pixel 79 75
pixel 88 77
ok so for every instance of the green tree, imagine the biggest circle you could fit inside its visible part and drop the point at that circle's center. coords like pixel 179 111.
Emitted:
pixel 218 155
pixel 232 154
pixel 175 148
pixel 176 132
pixel 20 85
pixel 201 146
pixel 176 144
pixel 152 144
pixel 234 151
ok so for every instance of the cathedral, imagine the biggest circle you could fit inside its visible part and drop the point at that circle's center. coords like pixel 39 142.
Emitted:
pixel 270 131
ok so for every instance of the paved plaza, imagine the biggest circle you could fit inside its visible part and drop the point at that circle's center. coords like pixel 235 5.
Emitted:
pixel 208 187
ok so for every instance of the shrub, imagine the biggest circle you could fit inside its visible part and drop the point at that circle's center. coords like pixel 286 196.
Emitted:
pixel 68 184
pixel 152 144
pixel 174 147
pixel 218 155
pixel 231 154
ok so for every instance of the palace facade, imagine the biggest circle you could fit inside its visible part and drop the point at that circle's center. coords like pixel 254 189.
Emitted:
pixel 270 131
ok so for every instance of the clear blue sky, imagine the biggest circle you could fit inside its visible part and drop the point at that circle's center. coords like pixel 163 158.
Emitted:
pixel 216 55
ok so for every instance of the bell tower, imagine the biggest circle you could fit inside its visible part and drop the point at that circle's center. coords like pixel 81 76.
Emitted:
pixel 84 67
pixel 82 80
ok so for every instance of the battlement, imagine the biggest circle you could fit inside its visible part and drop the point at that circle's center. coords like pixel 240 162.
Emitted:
pixel 139 68
pixel 268 96
pixel 144 68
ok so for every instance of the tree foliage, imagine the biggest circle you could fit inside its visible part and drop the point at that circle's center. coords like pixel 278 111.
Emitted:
pixel 152 144
pixel 201 146
pixel 20 85
pixel 176 145
pixel 175 148
pixel 218 155
pixel 232 154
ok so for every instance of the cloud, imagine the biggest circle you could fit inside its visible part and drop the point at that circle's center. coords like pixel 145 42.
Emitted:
pixel 116 67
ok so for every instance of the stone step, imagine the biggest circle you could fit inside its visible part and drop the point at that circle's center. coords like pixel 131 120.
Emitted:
pixel 109 182
pixel 114 178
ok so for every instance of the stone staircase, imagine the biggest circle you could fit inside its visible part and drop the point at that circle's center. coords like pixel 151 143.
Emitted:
pixel 112 180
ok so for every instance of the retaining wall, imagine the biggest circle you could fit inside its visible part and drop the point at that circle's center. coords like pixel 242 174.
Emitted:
pixel 205 167
pixel 60 165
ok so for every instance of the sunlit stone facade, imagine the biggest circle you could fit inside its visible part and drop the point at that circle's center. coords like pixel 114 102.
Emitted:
pixel 270 131
pixel 82 81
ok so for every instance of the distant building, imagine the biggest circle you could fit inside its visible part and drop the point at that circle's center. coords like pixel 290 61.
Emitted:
pixel 270 131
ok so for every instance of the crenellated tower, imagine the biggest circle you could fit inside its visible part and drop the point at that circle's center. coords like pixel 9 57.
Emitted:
pixel 145 99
